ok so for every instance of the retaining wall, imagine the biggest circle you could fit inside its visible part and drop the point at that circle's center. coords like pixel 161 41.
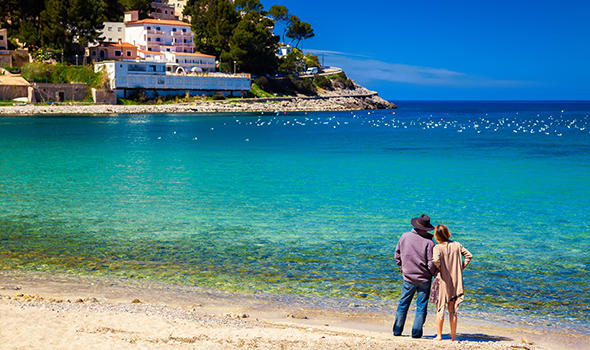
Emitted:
pixel 60 92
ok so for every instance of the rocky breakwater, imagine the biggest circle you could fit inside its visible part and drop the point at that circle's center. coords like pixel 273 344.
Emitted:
pixel 337 100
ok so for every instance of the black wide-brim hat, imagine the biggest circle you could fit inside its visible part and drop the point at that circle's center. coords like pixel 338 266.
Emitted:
pixel 422 223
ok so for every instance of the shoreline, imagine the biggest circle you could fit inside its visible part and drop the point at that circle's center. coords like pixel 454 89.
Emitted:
pixel 85 310
pixel 263 105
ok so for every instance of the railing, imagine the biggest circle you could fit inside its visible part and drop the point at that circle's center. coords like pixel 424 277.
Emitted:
pixel 182 34
pixel 155 32
pixel 213 75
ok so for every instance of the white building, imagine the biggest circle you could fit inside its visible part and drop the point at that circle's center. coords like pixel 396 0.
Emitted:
pixel 154 40
pixel 113 32
pixel 192 62
pixel 283 51
pixel 158 34
pixel 163 79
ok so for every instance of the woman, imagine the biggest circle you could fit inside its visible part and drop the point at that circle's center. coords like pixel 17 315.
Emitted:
pixel 447 258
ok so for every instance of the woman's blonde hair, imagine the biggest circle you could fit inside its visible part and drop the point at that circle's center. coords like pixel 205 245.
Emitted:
pixel 442 233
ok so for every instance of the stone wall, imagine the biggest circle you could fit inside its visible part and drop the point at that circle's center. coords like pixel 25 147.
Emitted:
pixel 9 92
pixel 5 58
pixel 104 97
pixel 59 92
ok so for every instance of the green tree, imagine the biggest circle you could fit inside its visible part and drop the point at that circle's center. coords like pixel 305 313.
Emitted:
pixel 312 60
pixel 55 21
pixel 299 30
pixel 252 46
pixel 22 19
pixel 213 23
pixel 143 6
pixel 293 63
pixel 87 17
pixel 69 25
pixel 113 10
pixel 281 15
pixel 249 5
pixel 28 34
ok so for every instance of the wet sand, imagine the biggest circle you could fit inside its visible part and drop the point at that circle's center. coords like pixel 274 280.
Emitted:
pixel 49 311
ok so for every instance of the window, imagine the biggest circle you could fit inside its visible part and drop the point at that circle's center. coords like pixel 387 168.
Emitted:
pixel 166 11
pixel 184 30
pixel 149 28
pixel 168 49
pixel 149 39
pixel 158 39
pixel 128 53
pixel 110 29
pixel 136 68
pixel 110 39
pixel 157 28
pixel 1 37
pixel 173 29
pixel 149 49
pixel 119 29
pixel 117 53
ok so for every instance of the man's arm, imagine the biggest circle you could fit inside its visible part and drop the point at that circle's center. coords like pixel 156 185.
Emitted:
pixel 398 256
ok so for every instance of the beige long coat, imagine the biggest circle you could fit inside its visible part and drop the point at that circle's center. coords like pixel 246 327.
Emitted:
pixel 447 258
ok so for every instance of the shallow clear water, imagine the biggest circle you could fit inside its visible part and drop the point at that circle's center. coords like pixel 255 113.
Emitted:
pixel 309 204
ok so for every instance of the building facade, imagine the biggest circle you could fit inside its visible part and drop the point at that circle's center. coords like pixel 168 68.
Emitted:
pixel 161 40
pixel 112 51
pixel 178 7
pixel 162 10
pixel 192 62
pixel 160 35
pixel 161 79
pixel 113 32
pixel 3 39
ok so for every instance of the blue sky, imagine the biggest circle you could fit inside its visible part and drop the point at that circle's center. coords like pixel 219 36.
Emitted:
pixel 512 50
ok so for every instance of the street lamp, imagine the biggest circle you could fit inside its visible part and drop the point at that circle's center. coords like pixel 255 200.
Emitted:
pixel 235 67
pixel 76 59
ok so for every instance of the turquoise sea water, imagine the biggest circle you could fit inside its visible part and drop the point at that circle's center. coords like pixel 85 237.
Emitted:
pixel 309 204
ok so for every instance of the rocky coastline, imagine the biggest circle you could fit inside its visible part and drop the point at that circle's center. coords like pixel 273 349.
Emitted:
pixel 357 98
pixel 291 104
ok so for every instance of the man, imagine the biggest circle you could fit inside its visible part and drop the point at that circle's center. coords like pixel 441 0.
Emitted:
pixel 413 255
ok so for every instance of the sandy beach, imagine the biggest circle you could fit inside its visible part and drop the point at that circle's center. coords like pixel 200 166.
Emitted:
pixel 42 311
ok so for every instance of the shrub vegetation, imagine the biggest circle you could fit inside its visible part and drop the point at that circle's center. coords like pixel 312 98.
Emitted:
pixel 62 73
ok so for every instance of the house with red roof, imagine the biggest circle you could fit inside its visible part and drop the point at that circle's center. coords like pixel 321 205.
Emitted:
pixel 161 39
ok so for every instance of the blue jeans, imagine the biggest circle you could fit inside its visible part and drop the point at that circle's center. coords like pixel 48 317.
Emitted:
pixel 408 290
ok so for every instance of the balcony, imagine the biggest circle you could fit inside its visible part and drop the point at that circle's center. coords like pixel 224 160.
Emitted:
pixel 155 32
pixel 182 34
pixel 183 44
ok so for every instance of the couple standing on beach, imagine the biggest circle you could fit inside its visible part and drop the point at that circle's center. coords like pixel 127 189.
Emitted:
pixel 419 259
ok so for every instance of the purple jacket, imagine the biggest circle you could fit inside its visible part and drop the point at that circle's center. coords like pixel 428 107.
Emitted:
pixel 413 255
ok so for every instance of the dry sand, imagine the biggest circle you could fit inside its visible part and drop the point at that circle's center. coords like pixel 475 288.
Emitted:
pixel 42 311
